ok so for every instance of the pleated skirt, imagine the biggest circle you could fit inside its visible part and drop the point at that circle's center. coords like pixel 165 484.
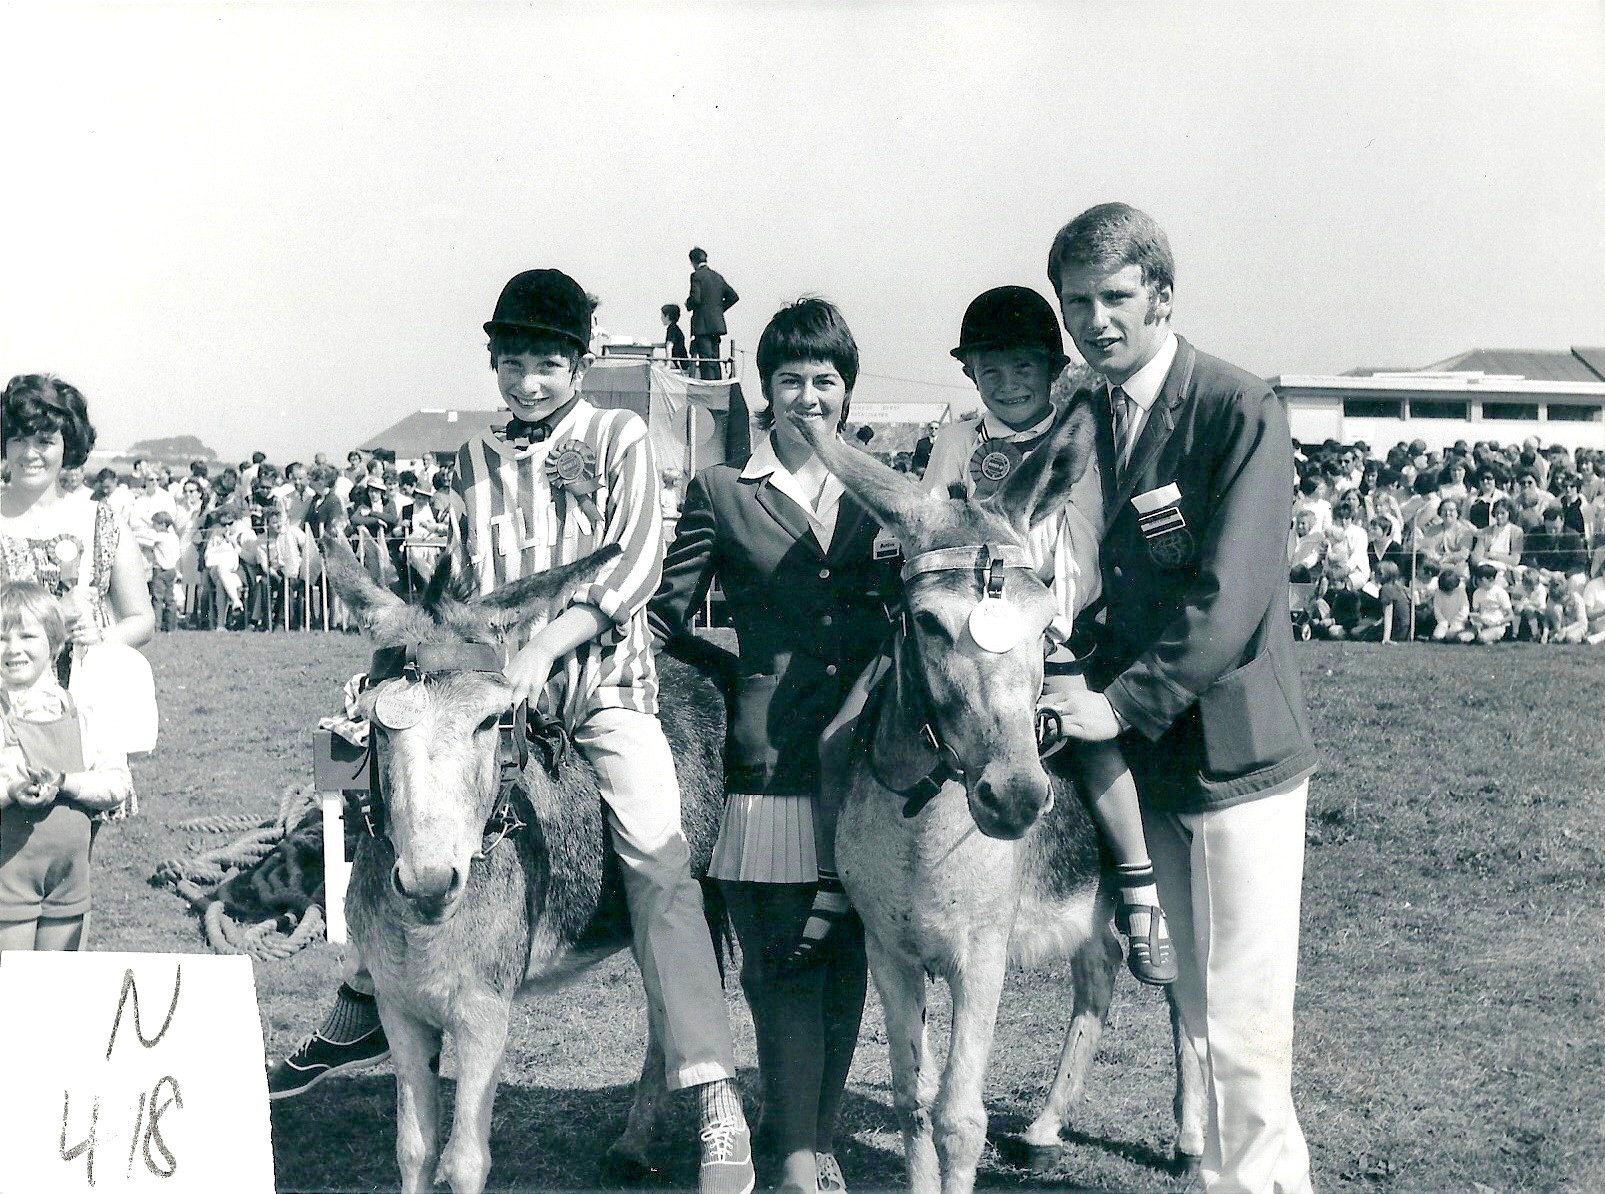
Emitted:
pixel 766 839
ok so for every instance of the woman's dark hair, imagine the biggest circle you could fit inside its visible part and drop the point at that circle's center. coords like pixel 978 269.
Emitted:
pixel 38 404
pixel 810 329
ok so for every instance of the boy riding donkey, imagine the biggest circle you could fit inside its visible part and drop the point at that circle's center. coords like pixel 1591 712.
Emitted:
pixel 559 481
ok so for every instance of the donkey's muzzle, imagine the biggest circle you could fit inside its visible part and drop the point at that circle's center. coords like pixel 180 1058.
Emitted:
pixel 431 890
pixel 1005 808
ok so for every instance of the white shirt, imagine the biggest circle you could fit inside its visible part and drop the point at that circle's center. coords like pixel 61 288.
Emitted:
pixel 764 462
pixel 1064 548
pixel 1142 389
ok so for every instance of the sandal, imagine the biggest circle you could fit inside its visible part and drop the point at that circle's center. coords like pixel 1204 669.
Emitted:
pixel 1149 957
pixel 830 909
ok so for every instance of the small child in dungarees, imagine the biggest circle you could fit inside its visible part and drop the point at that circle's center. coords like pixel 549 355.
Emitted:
pixel 1011 349
pixel 55 774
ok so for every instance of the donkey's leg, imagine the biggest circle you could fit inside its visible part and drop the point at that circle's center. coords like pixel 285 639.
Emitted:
pixel 901 984
pixel 977 985
pixel 412 1045
pixel 1191 1103
pixel 627 1159
pixel 480 1036
pixel 1092 978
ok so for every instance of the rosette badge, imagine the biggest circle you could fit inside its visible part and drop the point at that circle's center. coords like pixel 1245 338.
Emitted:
pixel 67 556
pixel 571 471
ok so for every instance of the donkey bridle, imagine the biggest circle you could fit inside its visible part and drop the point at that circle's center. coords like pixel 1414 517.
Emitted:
pixel 417 661
pixel 991 561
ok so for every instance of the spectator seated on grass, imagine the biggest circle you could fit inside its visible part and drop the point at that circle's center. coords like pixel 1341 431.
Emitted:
pixel 1567 617
pixel 1388 619
pixel 1451 609
pixel 1337 608
pixel 1529 602
pixel 1492 617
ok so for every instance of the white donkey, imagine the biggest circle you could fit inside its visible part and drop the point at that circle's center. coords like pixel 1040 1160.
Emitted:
pixel 953 844
pixel 464 896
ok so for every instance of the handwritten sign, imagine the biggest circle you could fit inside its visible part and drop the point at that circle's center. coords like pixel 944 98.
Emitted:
pixel 132 1072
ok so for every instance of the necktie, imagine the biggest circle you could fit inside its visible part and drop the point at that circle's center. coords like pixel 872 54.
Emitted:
pixel 1120 412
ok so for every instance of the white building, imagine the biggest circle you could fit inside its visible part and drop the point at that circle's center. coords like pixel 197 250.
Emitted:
pixel 1506 395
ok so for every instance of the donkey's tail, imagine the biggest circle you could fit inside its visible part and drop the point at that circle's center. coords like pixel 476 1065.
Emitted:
pixel 719 929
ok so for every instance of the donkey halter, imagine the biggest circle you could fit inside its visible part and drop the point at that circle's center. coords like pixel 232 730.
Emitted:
pixel 991 562
pixel 416 662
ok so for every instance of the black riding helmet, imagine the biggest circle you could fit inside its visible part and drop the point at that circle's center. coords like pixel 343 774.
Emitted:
pixel 1011 317
pixel 544 300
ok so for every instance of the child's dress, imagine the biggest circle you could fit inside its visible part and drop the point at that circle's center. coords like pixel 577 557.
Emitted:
pixel 44 852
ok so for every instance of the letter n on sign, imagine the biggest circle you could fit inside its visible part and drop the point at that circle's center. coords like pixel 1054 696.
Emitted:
pixel 135 1072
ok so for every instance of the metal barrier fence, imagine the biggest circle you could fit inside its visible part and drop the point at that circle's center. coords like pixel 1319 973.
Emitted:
pixel 309 596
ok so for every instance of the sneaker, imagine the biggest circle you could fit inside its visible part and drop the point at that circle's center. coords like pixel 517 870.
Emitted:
pixel 829 1179
pixel 726 1158
pixel 1150 957
pixel 317 1057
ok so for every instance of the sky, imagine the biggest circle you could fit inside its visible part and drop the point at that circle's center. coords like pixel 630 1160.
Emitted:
pixel 281 226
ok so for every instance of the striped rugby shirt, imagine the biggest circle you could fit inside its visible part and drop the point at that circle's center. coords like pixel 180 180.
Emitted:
pixel 516 526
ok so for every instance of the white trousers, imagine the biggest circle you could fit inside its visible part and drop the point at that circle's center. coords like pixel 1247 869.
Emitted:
pixel 1230 881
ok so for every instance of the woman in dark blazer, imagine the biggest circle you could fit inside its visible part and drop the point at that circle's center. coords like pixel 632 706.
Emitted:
pixel 796 558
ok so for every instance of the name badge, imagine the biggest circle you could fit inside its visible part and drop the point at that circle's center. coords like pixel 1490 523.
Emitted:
pixel 885 546
pixel 1159 517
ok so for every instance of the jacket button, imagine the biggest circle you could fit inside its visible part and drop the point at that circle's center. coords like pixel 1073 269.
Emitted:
pixel 824 574
pixel 825 621
pixel 1118 572
pixel 830 669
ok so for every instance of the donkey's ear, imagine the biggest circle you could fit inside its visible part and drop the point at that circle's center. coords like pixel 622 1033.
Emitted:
pixel 535 596
pixel 351 582
pixel 892 498
pixel 1042 483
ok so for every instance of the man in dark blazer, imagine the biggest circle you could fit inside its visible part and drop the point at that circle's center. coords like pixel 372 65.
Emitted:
pixel 1197 673
pixel 711 296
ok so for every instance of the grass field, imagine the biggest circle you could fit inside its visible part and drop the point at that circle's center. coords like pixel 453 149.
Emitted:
pixel 1450 1025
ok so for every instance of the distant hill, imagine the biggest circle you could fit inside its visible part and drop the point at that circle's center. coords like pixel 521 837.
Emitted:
pixel 175 449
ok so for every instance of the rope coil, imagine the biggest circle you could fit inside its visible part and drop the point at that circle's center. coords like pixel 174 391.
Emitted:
pixel 261 894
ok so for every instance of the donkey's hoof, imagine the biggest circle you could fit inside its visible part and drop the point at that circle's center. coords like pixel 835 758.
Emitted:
pixel 622 1169
pixel 1186 1164
pixel 1022 1154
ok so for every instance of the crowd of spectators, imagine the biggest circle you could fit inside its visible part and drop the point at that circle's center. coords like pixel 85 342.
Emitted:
pixel 1477 543
pixel 236 548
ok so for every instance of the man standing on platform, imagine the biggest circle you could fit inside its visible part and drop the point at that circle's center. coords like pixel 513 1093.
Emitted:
pixel 1197 674
pixel 711 296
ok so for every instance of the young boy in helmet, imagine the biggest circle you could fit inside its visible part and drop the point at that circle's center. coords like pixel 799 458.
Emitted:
pixel 1011 349
pixel 583 478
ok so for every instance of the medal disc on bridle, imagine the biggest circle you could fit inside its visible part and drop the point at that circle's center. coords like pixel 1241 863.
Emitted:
pixel 401 705
pixel 994 625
